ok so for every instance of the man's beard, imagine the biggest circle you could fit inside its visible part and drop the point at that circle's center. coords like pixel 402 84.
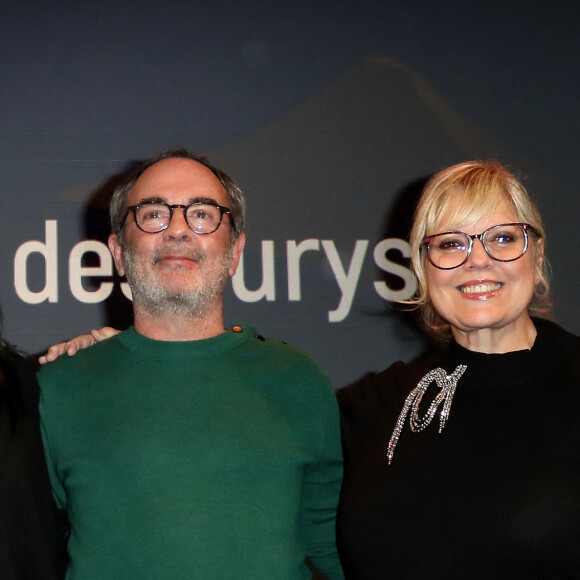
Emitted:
pixel 148 290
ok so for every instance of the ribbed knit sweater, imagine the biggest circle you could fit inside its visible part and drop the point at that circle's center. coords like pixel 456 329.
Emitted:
pixel 215 459
pixel 495 495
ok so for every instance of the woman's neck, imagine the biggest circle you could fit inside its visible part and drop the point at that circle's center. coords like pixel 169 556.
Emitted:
pixel 498 340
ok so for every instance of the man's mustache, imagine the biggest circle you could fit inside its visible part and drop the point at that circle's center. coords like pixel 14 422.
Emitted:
pixel 178 249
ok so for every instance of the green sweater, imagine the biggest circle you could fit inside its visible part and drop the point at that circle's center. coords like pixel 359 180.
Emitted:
pixel 210 459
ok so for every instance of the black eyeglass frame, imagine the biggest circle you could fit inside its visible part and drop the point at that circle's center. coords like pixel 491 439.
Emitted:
pixel 223 209
pixel 426 242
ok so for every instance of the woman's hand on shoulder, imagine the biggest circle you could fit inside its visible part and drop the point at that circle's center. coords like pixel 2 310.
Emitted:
pixel 72 346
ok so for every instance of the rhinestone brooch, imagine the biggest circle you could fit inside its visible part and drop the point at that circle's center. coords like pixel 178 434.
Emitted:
pixel 447 384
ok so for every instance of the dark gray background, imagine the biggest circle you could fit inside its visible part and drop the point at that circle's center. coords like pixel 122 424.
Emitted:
pixel 330 115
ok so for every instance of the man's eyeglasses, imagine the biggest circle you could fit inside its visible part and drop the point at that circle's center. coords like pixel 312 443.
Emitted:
pixel 201 217
pixel 502 243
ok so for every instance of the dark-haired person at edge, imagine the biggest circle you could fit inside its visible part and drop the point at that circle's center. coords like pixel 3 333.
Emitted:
pixel 178 448
pixel 32 531
pixel 467 465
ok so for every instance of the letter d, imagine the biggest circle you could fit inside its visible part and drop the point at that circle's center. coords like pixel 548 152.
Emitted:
pixel 49 251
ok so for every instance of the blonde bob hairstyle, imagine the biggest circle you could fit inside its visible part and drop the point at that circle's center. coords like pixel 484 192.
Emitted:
pixel 464 194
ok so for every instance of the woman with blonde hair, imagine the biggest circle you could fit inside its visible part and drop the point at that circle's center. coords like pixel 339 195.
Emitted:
pixel 467 465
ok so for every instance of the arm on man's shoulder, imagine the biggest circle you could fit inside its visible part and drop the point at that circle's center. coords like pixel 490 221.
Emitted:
pixel 72 346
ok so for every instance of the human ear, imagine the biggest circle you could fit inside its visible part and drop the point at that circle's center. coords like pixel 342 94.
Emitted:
pixel 237 253
pixel 117 251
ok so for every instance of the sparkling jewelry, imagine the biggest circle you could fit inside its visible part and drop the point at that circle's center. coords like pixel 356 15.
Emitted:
pixel 447 384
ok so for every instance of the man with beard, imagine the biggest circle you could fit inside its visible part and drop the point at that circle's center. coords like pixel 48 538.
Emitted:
pixel 179 449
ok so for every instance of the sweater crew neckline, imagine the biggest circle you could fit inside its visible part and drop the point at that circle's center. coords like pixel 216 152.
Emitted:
pixel 488 370
pixel 177 350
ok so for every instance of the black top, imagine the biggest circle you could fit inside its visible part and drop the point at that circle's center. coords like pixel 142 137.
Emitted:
pixel 495 495
pixel 32 538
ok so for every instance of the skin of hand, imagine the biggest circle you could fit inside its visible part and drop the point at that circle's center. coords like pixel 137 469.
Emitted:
pixel 72 346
